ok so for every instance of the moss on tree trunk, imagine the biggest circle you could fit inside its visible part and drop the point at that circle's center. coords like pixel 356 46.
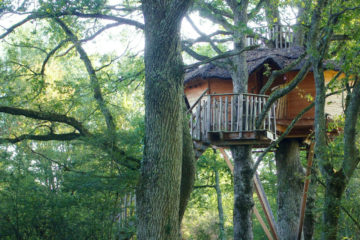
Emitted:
pixel 158 193
pixel 290 187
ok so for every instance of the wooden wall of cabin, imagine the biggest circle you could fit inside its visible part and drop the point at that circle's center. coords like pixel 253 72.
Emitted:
pixel 194 89
pixel 334 104
pixel 300 97
pixel 304 94
pixel 222 86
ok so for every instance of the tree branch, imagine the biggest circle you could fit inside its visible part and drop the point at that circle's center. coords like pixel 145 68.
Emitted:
pixel 66 167
pixel 192 53
pixel 257 8
pixel 43 15
pixel 51 53
pixel 25 46
pixel 206 12
pixel 63 42
pixel 116 153
pixel 283 135
pixel 204 186
pixel 47 137
pixel 283 91
pixel 48 116
pixel 357 224
pixel 120 20
pixel 351 153
pixel 204 39
pixel 207 38
pixel 278 73
pixel 287 131
pixel 221 56
pixel 93 78
pixel 16 25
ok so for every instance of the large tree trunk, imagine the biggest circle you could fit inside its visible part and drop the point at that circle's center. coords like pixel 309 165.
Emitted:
pixel 290 187
pixel 309 219
pixel 243 164
pixel 335 186
pixel 158 192
pixel 188 167
pixel 336 181
pixel 243 192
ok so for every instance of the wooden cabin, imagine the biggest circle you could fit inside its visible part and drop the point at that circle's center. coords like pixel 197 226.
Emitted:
pixel 222 118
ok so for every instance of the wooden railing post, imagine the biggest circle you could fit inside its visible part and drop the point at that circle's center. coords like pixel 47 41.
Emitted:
pixel 232 114
pixel 251 112
pixel 247 113
pixel 255 112
pixel 197 123
pixel 220 113
pixel 226 114
pixel 259 108
pixel 208 113
pixel 240 114
pixel 273 129
pixel 202 119
pixel 191 124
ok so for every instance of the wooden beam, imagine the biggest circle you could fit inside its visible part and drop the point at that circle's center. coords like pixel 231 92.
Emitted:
pixel 256 212
pixel 262 223
pixel 265 205
pixel 197 101
pixel 306 188
pixel 227 160
pixel 208 114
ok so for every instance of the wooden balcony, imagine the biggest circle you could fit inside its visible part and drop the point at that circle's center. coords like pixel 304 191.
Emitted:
pixel 278 36
pixel 229 119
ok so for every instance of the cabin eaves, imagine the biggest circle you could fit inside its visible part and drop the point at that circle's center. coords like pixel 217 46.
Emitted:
pixel 278 58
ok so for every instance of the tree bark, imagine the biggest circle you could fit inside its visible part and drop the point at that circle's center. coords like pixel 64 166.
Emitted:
pixel 220 207
pixel 243 192
pixel 188 167
pixel 309 219
pixel 158 193
pixel 290 187
pixel 299 31
pixel 243 163
pixel 335 186
pixel 336 181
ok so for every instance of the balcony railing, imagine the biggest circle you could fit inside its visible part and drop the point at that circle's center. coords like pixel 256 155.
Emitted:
pixel 232 114
pixel 277 36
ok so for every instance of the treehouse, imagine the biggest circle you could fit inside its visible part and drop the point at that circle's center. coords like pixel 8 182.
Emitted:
pixel 222 118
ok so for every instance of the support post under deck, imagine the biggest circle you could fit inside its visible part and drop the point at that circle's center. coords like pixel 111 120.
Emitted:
pixel 306 188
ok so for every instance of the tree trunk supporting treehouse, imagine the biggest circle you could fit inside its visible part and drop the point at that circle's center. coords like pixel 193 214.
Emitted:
pixel 290 187
pixel 272 233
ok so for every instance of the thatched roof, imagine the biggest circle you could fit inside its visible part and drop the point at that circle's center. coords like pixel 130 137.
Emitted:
pixel 279 58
